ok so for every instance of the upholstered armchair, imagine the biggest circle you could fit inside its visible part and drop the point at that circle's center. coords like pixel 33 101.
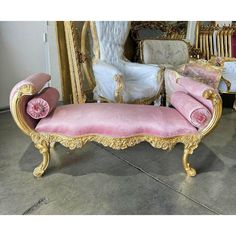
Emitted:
pixel 175 54
pixel 116 78
pixel 228 81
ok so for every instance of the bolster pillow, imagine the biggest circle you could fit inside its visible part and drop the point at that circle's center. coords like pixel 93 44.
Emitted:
pixel 195 112
pixel 41 105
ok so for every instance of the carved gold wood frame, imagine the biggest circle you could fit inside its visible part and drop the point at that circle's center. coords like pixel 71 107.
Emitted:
pixel 43 141
pixel 75 61
pixel 70 61
pixel 170 31
pixel 64 64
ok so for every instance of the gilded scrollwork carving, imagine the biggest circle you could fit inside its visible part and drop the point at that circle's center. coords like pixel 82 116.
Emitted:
pixel 42 145
pixel 118 143
pixel 119 88
pixel 172 30
pixel 82 58
pixel 215 98
pixel 194 52
pixel 76 58
pixel 188 169
pixel 17 103
pixel 42 142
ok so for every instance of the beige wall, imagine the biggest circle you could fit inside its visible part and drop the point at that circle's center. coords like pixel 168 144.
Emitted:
pixel 23 51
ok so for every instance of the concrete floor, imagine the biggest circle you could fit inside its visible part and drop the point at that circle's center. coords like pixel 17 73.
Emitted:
pixel 138 180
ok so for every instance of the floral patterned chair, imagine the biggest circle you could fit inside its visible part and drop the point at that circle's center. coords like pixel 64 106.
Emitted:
pixel 169 53
pixel 174 54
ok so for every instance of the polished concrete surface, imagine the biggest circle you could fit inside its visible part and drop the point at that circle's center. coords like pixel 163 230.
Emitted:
pixel 138 180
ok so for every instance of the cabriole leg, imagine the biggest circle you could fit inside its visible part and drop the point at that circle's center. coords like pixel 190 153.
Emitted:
pixel 43 148
pixel 189 170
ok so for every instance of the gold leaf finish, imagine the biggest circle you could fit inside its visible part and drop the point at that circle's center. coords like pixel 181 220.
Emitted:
pixel 43 146
pixel 119 88
pixel 43 141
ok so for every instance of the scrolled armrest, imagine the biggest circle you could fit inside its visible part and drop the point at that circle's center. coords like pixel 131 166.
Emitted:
pixel 207 96
pixel 194 111
pixel 20 95
pixel 195 89
pixel 34 83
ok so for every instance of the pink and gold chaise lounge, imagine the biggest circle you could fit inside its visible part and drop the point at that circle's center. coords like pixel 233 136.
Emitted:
pixel 117 125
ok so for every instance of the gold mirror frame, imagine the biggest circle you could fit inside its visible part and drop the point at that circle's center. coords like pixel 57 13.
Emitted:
pixel 70 61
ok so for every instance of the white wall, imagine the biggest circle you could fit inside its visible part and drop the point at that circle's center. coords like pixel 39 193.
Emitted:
pixel 23 51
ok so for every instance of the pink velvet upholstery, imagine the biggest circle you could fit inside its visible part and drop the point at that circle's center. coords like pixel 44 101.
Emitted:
pixel 37 81
pixel 115 120
pixel 205 75
pixel 196 113
pixel 174 82
pixel 196 89
pixel 42 104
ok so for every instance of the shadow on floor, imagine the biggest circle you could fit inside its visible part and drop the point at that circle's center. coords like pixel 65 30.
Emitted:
pixel 205 160
pixel 78 162
pixel 167 163
pixel 93 158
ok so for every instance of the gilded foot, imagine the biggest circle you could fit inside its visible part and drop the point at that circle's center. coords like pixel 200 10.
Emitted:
pixel 38 171
pixel 43 148
pixel 189 170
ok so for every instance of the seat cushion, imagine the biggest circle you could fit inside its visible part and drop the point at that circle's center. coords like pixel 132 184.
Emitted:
pixel 115 120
